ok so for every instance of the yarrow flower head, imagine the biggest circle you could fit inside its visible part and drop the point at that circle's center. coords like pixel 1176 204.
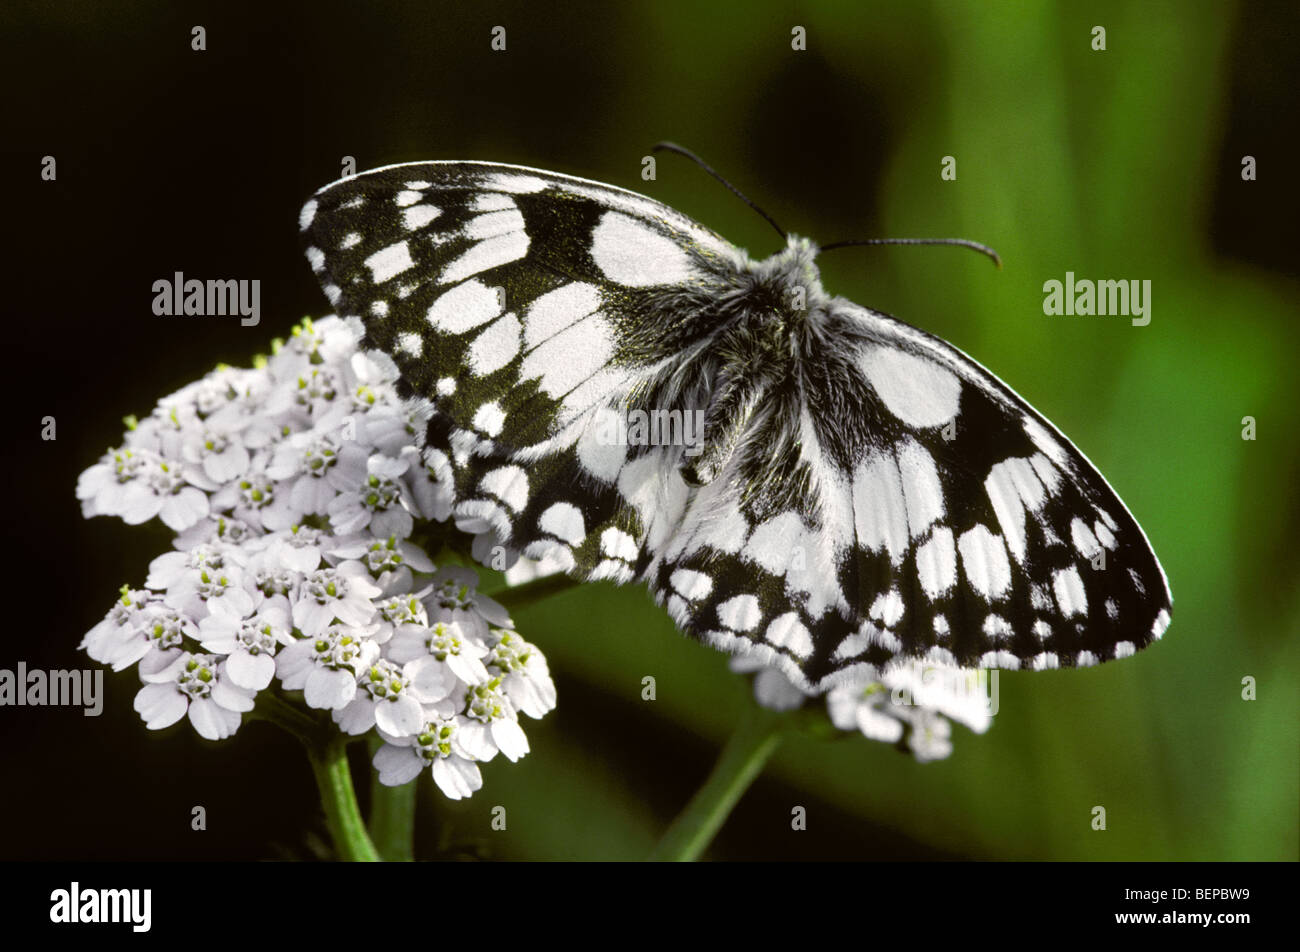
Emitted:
pixel 302 506
pixel 910 703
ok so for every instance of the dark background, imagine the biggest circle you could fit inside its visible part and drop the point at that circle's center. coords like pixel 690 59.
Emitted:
pixel 1116 164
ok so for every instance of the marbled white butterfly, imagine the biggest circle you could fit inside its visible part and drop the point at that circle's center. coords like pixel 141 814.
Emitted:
pixel 863 492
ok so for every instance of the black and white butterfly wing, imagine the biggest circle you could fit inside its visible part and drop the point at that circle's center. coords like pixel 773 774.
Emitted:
pixel 523 305
pixel 918 508
pixel 885 496
pixel 509 295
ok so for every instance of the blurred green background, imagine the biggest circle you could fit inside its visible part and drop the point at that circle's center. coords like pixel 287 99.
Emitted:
pixel 1117 164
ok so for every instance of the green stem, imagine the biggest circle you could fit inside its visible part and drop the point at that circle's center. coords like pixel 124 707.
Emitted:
pixel 392 816
pixel 329 761
pixel 740 763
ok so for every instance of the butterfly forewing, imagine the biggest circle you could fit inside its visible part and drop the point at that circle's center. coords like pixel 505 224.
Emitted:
pixel 866 492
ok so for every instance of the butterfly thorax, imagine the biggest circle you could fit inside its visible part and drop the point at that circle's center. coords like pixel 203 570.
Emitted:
pixel 763 321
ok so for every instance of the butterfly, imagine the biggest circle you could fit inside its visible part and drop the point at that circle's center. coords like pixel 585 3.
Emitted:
pixel 842 491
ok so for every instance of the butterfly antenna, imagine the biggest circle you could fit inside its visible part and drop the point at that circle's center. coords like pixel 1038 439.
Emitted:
pixel 973 245
pixel 674 147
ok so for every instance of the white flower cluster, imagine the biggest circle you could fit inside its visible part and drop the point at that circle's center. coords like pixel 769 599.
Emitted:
pixel 909 703
pixel 294 489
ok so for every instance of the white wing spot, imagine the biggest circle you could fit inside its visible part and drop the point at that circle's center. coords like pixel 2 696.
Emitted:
pixel 491 202
pixel 570 357
pixel 564 521
pixel 997 628
pixel 690 584
pixel 417 216
pixel 852 646
pixel 617 571
pixel 1040 598
pixel 509 484
pixel 984 560
pixel 307 215
pixel 598 457
pixel 406 197
pixel 1104 535
pixel 1085 543
pixel 918 391
pixel 490 418
pixel 632 253
pixel 1047 473
pixel 936 563
pixel 1042 630
pixel 1012 488
pixel 495 347
pixel 390 262
pixel 998 659
pixel 485 255
pixel 464 307
pixel 740 613
pixel 617 544
pixel 1070 595
pixel 493 224
pixel 410 344
pixel 921 489
pixel 1161 624
pixel 1125 649
pixel 514 183
pixel 555 310
pixel 879 508
pixel 787 632
pixel 1044 661
pixel 887 608
pixel 941 656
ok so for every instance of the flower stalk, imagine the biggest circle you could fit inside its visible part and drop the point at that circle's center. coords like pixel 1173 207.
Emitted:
pixel 327 751
pixel 392 817
pixel 741 761
pixel 329 762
